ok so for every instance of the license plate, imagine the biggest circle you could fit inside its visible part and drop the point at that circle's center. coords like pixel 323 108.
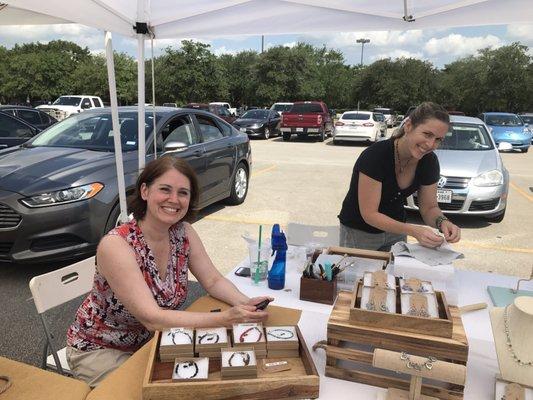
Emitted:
pixel 299 129
pixel 444 196
pixel 242 129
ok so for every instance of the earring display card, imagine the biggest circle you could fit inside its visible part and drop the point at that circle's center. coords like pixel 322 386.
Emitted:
pixel 512 391
pixel 423 305
pixel 176 342
pixel 413 285
pixel 282 341
pixel 240 363
pixel 191 368
pixel 209 341
pixel 250 335
pixel 379 278
pixel 378 299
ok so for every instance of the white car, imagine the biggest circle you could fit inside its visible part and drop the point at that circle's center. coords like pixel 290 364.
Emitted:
pixel 65 106
pixel 281 107
pixel 232 111
pixel 358 126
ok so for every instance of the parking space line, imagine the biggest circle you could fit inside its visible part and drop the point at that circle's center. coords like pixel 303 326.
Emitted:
pixel 521 191
pixel 255 173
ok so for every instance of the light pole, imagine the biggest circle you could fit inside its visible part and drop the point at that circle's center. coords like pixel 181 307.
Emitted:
pixel 362 41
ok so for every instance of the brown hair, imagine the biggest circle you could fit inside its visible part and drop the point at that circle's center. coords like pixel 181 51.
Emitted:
pixel 426 110
pixel 153 170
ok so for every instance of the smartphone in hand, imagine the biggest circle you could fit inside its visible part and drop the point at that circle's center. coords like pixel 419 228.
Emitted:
pixel 243 271
pixel 261 306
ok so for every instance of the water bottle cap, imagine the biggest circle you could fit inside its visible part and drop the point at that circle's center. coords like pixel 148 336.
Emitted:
pixel 279 241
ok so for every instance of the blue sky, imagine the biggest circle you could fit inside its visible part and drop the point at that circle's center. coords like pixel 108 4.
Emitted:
pixel 439 46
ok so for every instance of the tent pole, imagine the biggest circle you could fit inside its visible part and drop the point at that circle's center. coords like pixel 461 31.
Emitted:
pixel 140 88
pixel 116 126
pixel 153 96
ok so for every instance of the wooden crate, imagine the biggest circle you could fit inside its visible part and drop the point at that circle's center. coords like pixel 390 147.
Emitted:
pixel 350 349
pixel 442 326
pixel 318 290
pixel 300 382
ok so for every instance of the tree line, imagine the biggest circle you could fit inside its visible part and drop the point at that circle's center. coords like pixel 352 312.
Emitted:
pixel 492 80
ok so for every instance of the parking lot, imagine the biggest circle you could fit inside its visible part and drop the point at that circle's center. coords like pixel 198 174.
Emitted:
pixel 301 182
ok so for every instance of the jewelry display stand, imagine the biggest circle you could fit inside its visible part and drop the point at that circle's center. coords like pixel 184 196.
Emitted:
pixel 504 390
pixel 176 342
pixel 250 335
pixel 209 341
pixel 418 368
pixel 512 328
pixel 502 296
pixel 239 363
pixel 282 341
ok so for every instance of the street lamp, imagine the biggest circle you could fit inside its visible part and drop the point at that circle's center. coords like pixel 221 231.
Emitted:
pixel 362 41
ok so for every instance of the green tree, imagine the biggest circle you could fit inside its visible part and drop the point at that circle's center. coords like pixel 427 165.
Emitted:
pixel 239 73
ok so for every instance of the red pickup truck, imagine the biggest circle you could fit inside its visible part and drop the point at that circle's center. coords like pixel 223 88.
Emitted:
pixel 307 118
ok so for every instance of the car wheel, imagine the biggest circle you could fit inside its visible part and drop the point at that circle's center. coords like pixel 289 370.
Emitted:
pixel 239 186
pixel 498 218
pixel 286 136
pixel 113 220
pixel 525 150
pixel 266 135
pixel 322 135
pixel 335 142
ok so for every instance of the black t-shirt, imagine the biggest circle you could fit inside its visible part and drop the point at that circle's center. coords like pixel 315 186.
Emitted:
pixel 377 162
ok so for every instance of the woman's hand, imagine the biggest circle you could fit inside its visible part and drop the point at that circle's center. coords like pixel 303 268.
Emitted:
pixel 451 232
pixel 256 300
pixel 243 313
pixel 426 237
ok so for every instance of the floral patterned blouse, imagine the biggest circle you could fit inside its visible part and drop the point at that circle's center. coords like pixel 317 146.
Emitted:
pixel 102 321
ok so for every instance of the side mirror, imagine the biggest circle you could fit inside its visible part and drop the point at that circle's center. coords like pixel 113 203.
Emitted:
pixel 505 146
pixel 175 146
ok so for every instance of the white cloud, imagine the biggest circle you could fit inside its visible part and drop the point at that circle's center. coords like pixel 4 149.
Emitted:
pixel 224 50
pixel 398 53
pixel 522 33
pixel 459 45
pixel 377 38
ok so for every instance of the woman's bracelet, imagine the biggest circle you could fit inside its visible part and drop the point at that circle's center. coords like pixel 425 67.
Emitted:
pixel 438 222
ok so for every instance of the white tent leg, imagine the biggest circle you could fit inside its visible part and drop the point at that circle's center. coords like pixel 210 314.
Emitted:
pixel 141 100
pixel 116 126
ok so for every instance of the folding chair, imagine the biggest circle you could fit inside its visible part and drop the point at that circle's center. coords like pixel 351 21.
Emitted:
pixel 53 289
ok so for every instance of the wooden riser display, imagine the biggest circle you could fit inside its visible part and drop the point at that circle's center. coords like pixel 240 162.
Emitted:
pixel 343 335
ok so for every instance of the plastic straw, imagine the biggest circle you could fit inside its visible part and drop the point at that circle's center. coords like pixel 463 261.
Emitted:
pixel 256 273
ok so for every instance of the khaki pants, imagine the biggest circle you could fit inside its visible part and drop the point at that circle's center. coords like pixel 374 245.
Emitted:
pixel 93 366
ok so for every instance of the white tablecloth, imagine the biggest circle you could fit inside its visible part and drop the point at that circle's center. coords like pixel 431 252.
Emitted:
pixel 472 286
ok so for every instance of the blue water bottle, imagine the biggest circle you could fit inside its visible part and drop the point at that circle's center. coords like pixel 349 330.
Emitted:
pixel 276 275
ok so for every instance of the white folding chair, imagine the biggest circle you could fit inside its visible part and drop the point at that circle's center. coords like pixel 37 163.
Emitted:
pixel 299 235
pixel 53 289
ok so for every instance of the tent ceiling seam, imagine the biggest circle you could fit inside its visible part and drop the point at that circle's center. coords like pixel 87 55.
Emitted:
pixel 114 12
pixel 350 10
pixel 450 7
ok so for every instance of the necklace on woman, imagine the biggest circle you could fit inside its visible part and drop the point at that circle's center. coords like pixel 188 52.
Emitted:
pixel 402 167
pixel 507 329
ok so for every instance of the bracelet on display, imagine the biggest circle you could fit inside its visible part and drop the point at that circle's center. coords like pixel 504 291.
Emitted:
pixel 279 333
pixel 173 334
pixel 186 370
pixel 371 306
pixel 409 288
pixel 422 312
pixel 438 222
pixel 428 364
pixel 245 358
pixel 243 336
pixel 208 338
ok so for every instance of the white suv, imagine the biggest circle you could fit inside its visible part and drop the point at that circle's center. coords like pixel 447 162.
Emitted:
pixel 65 106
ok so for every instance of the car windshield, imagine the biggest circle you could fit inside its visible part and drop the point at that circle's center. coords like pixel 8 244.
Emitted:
pixel 357 116
pixel 466 137
pixel 504 120
pixel 68 101
pixel 93 132
pixel 256 114
pixel 528 119
pixel 281 107
pixel 306 108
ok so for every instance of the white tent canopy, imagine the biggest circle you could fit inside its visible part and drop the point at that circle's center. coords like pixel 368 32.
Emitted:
pixel 216 18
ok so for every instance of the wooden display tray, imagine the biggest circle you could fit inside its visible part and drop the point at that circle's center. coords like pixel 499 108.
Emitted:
pixel 350 349
pixel 385 256
pixel 442 326
pixel 300 382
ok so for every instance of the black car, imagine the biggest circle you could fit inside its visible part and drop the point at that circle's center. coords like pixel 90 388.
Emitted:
pixel 14 131
pixel 263 123
pixel 36 118
pixel 58 192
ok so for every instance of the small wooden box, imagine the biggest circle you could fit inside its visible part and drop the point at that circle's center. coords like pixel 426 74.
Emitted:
pixel 300 382
pixel 280 343
pixel 176 342
pixel 318 290
pixel 350 348
pixel 442 326
pixel 190 369
pixel 228 369
pixel 242 340
pixel 209 341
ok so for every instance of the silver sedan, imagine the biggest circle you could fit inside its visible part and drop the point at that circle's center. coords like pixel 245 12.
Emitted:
pixel 473 179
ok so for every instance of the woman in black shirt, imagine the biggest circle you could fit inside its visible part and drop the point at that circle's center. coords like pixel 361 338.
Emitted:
pixel 385 174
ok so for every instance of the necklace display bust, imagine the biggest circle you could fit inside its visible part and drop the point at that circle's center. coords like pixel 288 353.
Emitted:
pixel 512 327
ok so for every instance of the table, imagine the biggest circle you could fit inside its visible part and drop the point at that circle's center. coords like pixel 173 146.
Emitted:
pixel 472 286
